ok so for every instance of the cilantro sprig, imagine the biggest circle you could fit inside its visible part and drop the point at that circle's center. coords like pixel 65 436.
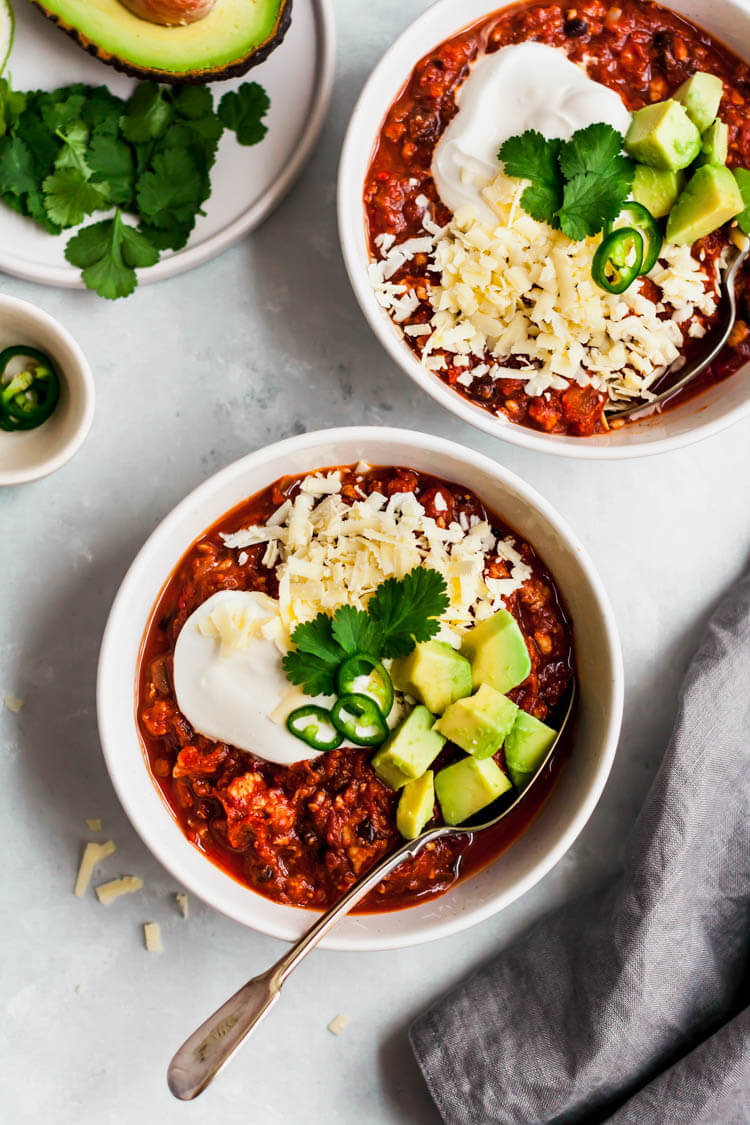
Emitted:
pixel 576 186
pixel 67 153
pixel 401 613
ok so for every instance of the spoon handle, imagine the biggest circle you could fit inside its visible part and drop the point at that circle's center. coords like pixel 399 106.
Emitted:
pixel 210 1047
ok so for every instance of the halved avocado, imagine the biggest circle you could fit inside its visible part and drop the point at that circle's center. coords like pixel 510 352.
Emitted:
pixel 234 36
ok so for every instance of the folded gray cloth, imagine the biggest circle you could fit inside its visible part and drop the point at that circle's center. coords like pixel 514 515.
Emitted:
pixel 626 1007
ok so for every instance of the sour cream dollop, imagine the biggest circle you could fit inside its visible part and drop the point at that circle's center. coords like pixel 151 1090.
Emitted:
pixel 523 86
pixel 228 692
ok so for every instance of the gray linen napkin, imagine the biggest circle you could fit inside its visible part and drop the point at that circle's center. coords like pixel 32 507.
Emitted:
pixel 616 1007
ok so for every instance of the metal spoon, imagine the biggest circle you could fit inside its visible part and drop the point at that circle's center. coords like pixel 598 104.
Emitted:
pixel 208 1049
pixel 718 338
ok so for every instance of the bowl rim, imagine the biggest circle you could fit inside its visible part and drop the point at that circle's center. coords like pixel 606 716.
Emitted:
pixel 112 739
pixel 350 213
pixel 80 385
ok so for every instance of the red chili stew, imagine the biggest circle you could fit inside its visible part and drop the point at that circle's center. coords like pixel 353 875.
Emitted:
pixel 635 47
pixel 302 834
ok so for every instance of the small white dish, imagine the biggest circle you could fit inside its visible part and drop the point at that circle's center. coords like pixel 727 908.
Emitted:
pixel 700 417
pixel 247 183
pixel 31 454
pixel 598 666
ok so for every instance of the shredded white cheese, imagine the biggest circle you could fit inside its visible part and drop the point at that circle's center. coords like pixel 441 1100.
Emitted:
pixel 524 291
pixel 330 551
pixel 13 703
pixel 94 824
pixel 235 624
pixel 152 937
pixel 338 1024
pixel 93 854
pixel 127 885
pixel 182 902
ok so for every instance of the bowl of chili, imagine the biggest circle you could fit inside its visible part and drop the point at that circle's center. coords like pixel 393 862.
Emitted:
pixel 265 844
pixel 46 393
pixel 642 51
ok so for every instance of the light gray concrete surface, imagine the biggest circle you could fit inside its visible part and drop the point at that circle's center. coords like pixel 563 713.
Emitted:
pixel 264 342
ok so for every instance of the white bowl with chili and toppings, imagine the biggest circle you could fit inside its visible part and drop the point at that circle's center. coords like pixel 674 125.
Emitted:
pixel 273 827
pixel 500 317
pixel 46 393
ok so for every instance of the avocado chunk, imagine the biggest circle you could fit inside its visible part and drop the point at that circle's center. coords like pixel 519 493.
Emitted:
pixel 700 95
pixel 411 748
pixel 434 673
pixel 715 144
pixel 416 806
pixel 468 786
pixel 663 136
pixel 526 747
pixel 710 199
pixel 234 36
pixel 742 179
pixel 657 189
pixel 497 652
pixel 479 724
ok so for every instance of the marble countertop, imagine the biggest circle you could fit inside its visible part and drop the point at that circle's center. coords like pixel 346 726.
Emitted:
pixel 264 342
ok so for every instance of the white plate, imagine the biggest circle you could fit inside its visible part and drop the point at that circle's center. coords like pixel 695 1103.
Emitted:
pixel 247 183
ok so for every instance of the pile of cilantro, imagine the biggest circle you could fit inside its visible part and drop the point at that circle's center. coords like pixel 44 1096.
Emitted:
pixel 576 186
pixel 67 153
pixel 401 613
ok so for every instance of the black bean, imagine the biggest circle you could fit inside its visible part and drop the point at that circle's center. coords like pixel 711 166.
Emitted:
pixel 663 41
pixel 366 830
pixel 575 28
pixel 264 874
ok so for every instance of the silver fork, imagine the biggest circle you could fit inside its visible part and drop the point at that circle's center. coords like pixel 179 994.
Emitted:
pixel 692 370
pixel 212 1045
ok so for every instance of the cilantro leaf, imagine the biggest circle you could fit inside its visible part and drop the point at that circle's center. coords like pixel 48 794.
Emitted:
pixel 36 210
pixel 357 631
pixel 148 114
pixel 542 202
pixel 742 176
pixel 43 145
pixel 171 236
pixel 75 138
pixel 58 112
pixel 407 611
pixel 172 191
pixel 69 197
pixel 113 167
pixel 193 102
pixel 589 200
pixel 102 111
pixel 313 665
pixel 531 156
pixel 16 167
pixel 108 254
pixel 243 111
pixel 590 150
pixel 12 105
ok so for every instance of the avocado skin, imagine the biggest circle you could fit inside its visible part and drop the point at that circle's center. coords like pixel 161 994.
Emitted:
pixel 189 78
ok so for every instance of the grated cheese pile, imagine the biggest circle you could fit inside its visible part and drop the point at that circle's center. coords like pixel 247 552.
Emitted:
pixel 328 552
pixel 525 291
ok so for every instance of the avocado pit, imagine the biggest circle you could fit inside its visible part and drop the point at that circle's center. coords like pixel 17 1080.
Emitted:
pixel 170 13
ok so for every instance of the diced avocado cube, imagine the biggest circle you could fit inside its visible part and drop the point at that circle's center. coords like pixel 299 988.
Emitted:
pixel 416 805
pixel 468 786
pixel 479 724
pixel 434 673
pixel 715 144
pixel 497 652
pixel 657 189
pixel 526 747
pixel 409 751
pixel 710 199
pixel 663 136
pixel 742 179
pixel 700 95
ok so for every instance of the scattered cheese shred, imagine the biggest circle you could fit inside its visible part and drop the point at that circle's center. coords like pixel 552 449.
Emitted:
pixel 92 855
pixel 524 293
pixel 108 892
pixel 323 548
pixel 236 625
pixel 13 703
pixel 152 937
pixel 182 902
pixel 94 824
pixel 338 1023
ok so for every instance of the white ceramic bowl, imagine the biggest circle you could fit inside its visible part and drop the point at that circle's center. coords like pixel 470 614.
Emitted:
pixel 28 455
pixel 599 666
pixel 711 411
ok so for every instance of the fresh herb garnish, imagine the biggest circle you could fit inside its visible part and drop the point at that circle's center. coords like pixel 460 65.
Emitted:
pixel 577 185
pixel 401 613
pixel 742 176
pixel 68 153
